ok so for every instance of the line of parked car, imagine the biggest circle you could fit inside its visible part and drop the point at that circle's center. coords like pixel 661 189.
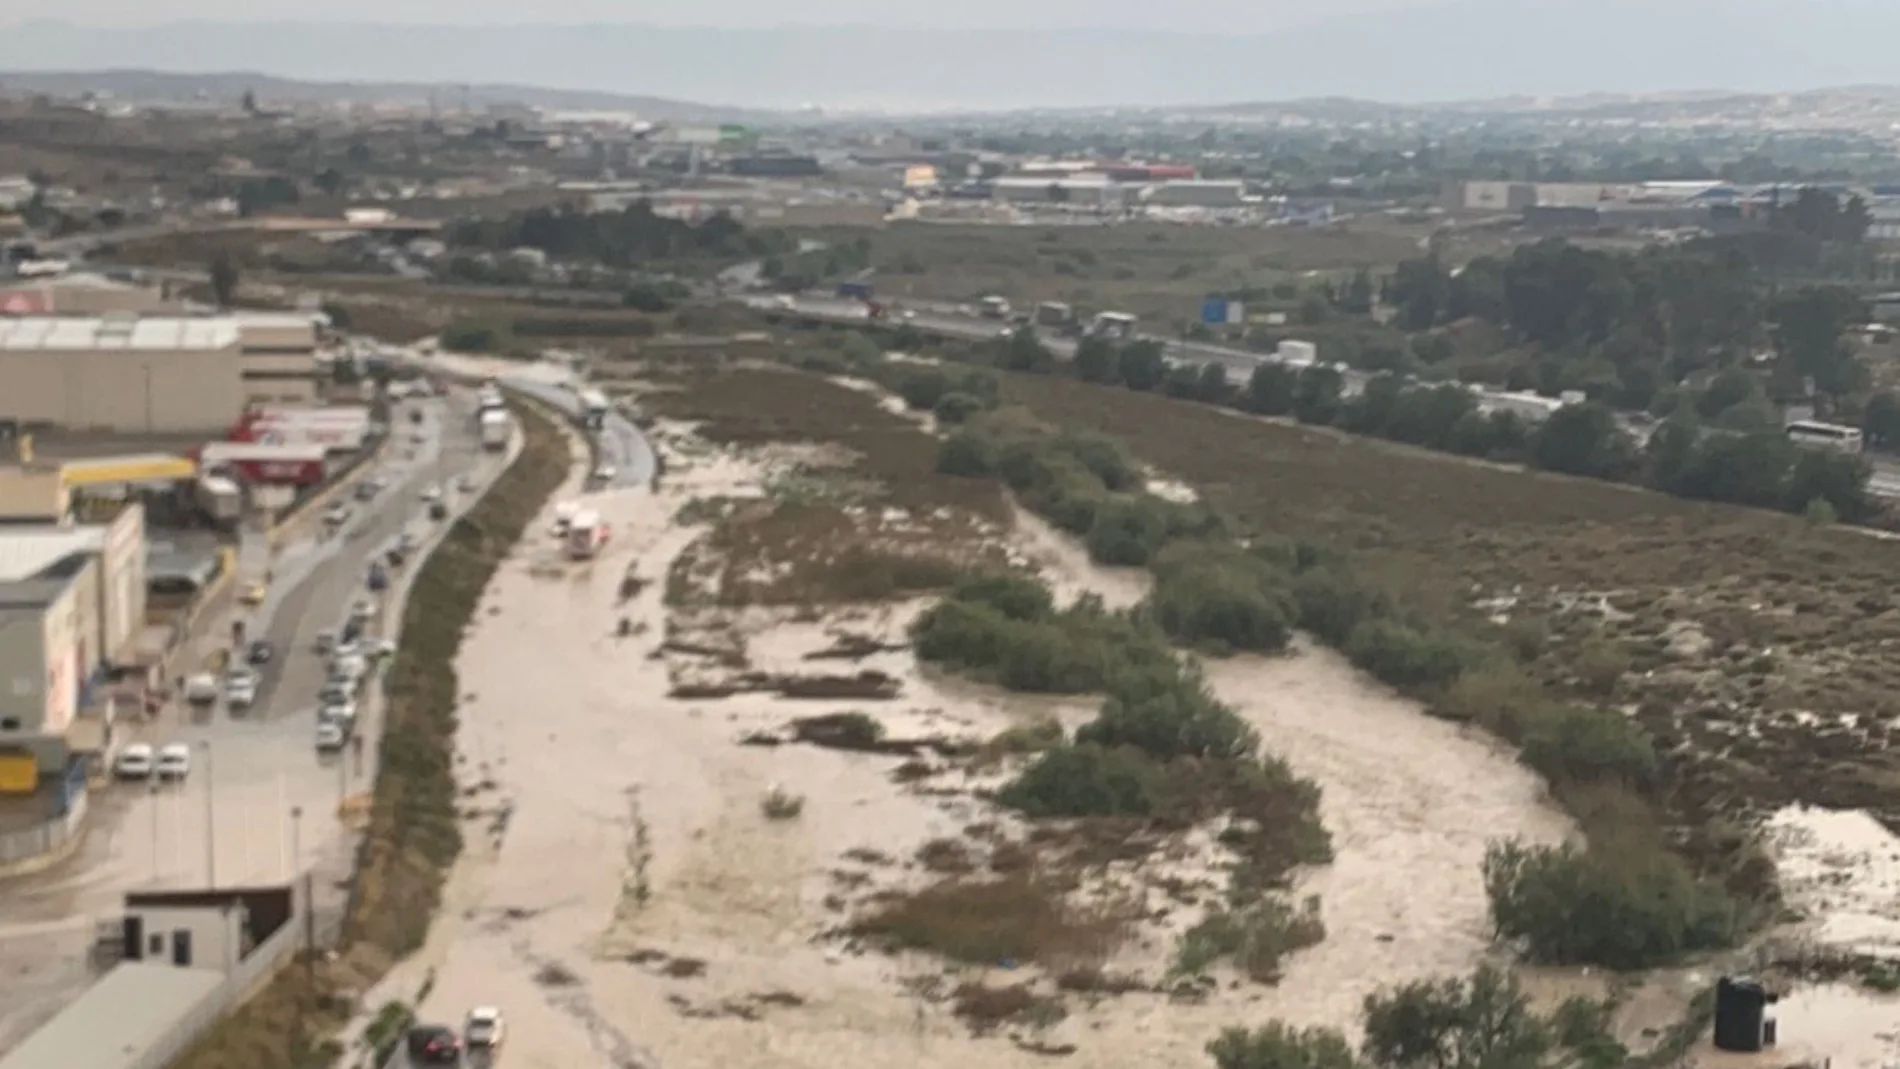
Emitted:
pixel 351 655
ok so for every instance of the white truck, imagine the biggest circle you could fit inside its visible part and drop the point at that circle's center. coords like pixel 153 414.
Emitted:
pixel 495 426
pixel 594 408
pixel 586 534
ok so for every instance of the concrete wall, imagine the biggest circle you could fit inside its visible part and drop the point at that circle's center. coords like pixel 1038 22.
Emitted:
pixel 122 585
pixel 154 392
pixel 40 667
pixel 70 630
pixel 214 937
pixel 82 300
pixel 22 673
pixel 32 494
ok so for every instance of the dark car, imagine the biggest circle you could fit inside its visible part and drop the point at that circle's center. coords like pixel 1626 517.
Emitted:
pixel 438 510
pixel 258 652
pixel 433 1044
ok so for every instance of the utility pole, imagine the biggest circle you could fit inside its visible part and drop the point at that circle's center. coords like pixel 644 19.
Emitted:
pixel 211 822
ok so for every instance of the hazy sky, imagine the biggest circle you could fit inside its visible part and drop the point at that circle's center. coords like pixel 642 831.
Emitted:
pixel 1192 15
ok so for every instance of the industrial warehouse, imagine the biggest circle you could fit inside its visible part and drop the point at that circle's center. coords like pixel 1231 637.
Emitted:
pixel 127 374
pixel 72 607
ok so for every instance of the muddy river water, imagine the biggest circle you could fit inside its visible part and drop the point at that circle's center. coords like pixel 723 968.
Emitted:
pixel 625 900
pixel 635 908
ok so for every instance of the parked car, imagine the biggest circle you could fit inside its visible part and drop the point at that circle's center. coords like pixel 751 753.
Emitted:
pixel 438 510
pixel 433 1044
pixel 366 489
pixel 174 762
pixel 201 689
pixel 260 651
pixel 338 711
pixel 334 691
pixel 240 688
pixel 350 670
pixel 254 593
pixel 330 736
pixel 135 762
pixel 363 610
pixel 326 642
pixel 466 484
pixel 431 493
pixel 485 1028
pixel 337 515
pixel 606 473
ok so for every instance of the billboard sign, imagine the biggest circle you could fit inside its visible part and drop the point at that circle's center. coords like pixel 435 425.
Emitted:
pixel 1220 312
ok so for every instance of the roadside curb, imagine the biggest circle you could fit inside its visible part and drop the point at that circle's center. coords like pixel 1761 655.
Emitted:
pixel 281 531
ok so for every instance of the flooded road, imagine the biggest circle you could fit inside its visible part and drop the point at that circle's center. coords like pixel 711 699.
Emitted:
pixel 636 905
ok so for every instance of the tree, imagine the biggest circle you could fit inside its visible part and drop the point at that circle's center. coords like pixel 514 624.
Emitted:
pixel 1279 1046
pixel 1316 394
pixel 1421 289
pixel 1357 297
pixel 1881 421
pixel 1097 361
pixel 224 279
pixel 330 182
pixel 1483 1022
pixel 1270 391
pixel 1143 365
pixel 1583 440
pixel 1025 352
pixel 1809 324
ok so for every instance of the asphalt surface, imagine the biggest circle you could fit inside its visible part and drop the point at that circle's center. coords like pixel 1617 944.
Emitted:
pixel 619 443
pixel 250 769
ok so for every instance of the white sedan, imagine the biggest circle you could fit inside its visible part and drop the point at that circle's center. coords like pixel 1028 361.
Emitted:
pixel 174 761
pixel 134 762
pixel 485 1028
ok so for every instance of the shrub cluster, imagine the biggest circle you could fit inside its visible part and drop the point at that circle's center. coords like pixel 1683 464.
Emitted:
pixel 1085 484
pixel 1216 592
pixel 1007 630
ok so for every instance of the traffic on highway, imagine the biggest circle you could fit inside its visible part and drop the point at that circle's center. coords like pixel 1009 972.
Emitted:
pixel 246 777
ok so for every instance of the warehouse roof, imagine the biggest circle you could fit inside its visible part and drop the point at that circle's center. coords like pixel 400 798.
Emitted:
pixel 118 1021
pixel 143 333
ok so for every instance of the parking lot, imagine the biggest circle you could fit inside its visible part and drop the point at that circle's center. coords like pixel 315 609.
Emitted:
pixel 258 803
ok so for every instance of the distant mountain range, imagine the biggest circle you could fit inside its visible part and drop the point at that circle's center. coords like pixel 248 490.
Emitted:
pixel 1450 51
pixel 149 86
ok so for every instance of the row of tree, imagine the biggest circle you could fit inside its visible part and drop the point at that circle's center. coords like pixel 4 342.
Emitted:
pixel 633 236
pixel 1756 466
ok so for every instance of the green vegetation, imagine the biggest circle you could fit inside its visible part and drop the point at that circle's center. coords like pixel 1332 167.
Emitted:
pixel 634 236
pixel 1481 1020
pixel 1749 463
pixel 1159 714
pixel 1257 938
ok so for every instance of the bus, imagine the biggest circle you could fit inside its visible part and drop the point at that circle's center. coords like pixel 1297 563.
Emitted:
pixel 1817 435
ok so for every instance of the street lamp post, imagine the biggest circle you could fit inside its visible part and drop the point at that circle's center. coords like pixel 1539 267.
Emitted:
pixel 151 801
pixel 211 822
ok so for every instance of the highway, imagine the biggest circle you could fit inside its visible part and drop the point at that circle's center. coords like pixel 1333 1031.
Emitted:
pixel 619 442
pixel 250 769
